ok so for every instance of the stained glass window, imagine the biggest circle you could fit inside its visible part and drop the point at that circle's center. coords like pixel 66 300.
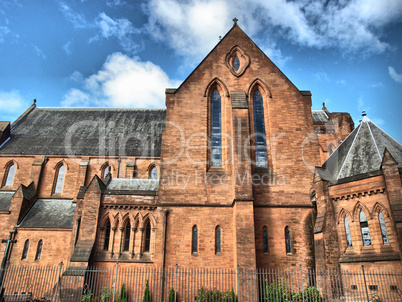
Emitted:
pixel 107 236
pixel 216 131
pixel 287 240
pixel 127 236
pixel 259 131
pixel 265 239
pixel 194 246
pixel 39 250
pixel 26 248
pixel 60 179
pixel 147 237
pixel 236 63
pixel 383 228
pixel 364 229
pixel 347 230
pixel 218 239
pixel 10 175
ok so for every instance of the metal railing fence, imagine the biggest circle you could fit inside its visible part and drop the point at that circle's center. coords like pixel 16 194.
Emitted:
pixel 123 283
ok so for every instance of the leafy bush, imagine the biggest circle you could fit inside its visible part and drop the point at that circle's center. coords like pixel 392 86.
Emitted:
pixel 280 292
pixel 87 297
pixel 171 296
pixel 105 294
pixel 206 295
pixel 123 294
pixel 146 297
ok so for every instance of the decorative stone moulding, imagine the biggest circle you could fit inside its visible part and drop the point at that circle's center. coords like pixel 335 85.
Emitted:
pixel 239 65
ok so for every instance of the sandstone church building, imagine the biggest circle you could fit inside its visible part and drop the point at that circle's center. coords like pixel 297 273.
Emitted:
pixel 237 171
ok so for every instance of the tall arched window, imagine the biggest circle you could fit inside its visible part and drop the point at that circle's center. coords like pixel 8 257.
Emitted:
pixel 147 242
pixel 218 239
pixel 153 173
pixel 39 250
pixel 127 231
pixel 25 251
pixel 10 175
pixel 347 231
pixel 265 239
pixel 259 131
pixel 383 228
pixel 216 129
pixel 194 242
pixel 60 179
pixel 365 229
pixel 106 171
pixel 107 236
pixel 288 241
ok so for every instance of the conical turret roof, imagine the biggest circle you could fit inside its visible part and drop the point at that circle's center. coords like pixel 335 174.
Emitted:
pixel 360 153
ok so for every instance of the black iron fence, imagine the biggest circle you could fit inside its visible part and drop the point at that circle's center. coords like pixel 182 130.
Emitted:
pixel 122 283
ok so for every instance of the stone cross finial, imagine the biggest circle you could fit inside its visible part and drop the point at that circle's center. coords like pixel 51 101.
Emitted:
pixel 364 113
pixel 235 21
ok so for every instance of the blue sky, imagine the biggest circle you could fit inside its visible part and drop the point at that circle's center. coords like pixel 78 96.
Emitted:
pixel 125 53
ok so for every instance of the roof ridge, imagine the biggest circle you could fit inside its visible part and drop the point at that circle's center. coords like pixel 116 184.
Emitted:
pixel 350 148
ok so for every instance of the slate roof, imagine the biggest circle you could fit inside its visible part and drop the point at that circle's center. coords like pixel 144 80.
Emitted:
pixel 5 200
pixel 50 213
pixel 319 116
pixel 88 131
pixel 123 184
pixel 360 153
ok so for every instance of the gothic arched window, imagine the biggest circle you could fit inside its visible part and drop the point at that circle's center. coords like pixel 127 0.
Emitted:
pixel 147 242
pixel 107 236
pixel 364 229
pixel 61 171
pixel 9 176
pixel 218 239
pixel 265 239
pixel 194 242
pixel 259 131
pixel 288 241
pixel 25 251
pixel 39 250
pixel 107 170
pixel 153 173
pixel 383 228
pixel 216 129
pixel 127 232
pixel 347 231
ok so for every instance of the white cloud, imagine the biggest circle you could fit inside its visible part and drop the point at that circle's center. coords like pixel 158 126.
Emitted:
pixel 378 121
pixel 78 20
pixel 19 104
pixel 321 76
pixel 39 52
pixel 394 75
pixel 122 29
pixel 3 32
pixel 67 48
pixel 192 27
pixel 123 82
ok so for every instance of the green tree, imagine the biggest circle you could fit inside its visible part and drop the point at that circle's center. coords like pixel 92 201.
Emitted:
pixel 146 297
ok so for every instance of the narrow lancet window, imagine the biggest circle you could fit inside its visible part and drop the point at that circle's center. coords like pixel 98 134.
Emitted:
pixel 107 171
pixel 287 240
pixel 25 251
pixel 383 228
pixel 259 131
pixel 127 237
pixel 147 242
pixel 154 173
pixel 107 236
pixel 39 250
pixel 216 131
pixel 364 229
pixel 10 176
pixel 218 239
pixel 194 245
pixel 347 231
pixel 265 239
pixel 236 63
pixel 60 179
